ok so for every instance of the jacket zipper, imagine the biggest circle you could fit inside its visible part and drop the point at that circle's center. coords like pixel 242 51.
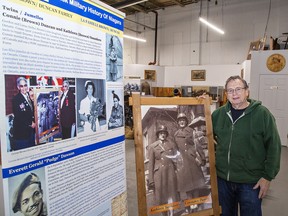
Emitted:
pixel 228 174
pixel 230 143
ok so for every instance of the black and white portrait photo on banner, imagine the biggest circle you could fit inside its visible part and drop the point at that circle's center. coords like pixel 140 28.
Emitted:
pixel 114 58
pixel 27 194
pixel 115 108
pixel 91 106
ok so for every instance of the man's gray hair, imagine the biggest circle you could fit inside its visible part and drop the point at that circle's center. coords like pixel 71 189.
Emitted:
pixel 19 79
pixel 236 78
pixel 67 82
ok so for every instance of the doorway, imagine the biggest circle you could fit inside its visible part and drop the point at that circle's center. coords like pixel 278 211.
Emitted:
pixel 273 92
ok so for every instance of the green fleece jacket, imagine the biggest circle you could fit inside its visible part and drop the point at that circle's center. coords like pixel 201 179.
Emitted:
pixel 249 148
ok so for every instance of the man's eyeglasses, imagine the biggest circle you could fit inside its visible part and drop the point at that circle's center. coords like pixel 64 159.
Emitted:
pixel 21 86
pixel 65 86
pixel 236 90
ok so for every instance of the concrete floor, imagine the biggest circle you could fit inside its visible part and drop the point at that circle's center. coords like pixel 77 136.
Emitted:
pixel 275 203
pixel 131 178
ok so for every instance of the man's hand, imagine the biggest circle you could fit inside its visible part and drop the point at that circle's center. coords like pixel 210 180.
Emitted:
pixel 151 186
pixel 203 96
pixel 33 125
pixel 89 118
pixel 203 162
pixel 264 187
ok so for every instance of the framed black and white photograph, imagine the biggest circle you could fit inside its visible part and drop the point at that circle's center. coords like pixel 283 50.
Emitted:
pixel 174 156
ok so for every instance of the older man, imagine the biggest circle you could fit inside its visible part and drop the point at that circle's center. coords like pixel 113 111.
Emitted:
pixel 28 197
pixel 67 111
pixel 24 123
pixel 247 152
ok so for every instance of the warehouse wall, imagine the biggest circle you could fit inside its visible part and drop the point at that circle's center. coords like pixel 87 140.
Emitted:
pixel 182 41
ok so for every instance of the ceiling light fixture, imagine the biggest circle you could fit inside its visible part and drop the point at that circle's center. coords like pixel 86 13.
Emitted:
pixel 211 25
pixel 134 38
pixel 125 4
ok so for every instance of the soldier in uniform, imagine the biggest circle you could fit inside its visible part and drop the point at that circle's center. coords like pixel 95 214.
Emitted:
pixel 28 197
pixel 162 176
pixel 190 177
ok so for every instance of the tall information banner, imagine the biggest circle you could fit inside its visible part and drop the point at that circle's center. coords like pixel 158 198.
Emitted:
pixel 61 83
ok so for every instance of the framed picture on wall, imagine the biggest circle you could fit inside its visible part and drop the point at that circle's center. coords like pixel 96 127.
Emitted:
pixel 150 75
pixel 198 75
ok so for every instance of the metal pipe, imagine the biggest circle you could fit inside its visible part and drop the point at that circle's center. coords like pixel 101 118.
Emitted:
pixel 155 44
pixel 138 32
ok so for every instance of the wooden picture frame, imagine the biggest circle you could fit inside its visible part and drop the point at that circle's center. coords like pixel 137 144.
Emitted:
pixel 150 75
pixel 256 46
pixel 198 75
pixel 148 114
pixel 46 130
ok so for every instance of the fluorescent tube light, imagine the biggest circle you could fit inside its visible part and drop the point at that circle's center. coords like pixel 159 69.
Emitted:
pixel 211 25
pixel 134 38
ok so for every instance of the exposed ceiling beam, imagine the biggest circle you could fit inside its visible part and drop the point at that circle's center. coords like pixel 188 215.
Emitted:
pixel 130 7
pixel 127 3
pixel 138 32
pixel 139 8
pixel 140 24
pixel 156 4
